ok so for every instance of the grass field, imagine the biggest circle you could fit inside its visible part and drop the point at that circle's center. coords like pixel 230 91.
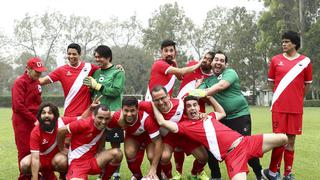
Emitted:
pixel 306 163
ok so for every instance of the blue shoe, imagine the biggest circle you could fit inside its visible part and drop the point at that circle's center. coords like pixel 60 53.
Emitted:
pixel 266 176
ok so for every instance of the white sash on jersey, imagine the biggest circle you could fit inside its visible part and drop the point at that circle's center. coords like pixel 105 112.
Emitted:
pixel 187 88
pixel 81 150
pixel 168 87
pixel 77 84
pixel 141 128
pixel 289 77
pixel 212 138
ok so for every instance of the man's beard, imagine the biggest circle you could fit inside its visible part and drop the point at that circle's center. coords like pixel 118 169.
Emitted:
pixel 47 127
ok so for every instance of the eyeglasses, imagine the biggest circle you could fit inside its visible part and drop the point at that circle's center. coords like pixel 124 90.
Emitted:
pixel 159 99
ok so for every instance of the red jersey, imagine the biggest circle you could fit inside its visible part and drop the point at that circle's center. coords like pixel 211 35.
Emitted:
pixel 160 76
pixel 289 77
pixel 85 139
pixel 189 80
pixel 45 142
pixel 77 96
pixel 175 114
pixel 144 124
pixel 26 99
pixel 210 133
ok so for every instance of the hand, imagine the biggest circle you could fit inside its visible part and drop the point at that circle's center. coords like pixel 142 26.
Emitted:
pixel 95 102
pixel 92 83
pixel 198 93
pixel 36 123
pixel 203 116
pixel 199 82
pixel 119 67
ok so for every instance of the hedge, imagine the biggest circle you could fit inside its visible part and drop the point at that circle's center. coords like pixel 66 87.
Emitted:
pixel 312 103
pixel 5 101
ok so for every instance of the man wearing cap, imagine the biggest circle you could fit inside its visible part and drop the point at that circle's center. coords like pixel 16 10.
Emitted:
pixel 26 99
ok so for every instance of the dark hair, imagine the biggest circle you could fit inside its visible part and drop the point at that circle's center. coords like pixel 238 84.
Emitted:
pixel 104 51
pixel 129 101
pixel 52 107
pixel 220 52
pixel 294 38
pixel 100 106
pixel 75 46
pixel 188 98
pixel 211 53
pixel 167 43
pixel 158 88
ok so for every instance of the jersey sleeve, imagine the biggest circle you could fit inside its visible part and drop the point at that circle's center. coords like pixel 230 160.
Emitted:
pixel 114 120
pixel 231 76
pixel 147 107
pixel 55 75
pixel 76 126
pixel 308 74
pixel 67 120
pixel 152 127
pixel 35 139
pixel 271 73
pixel 162 66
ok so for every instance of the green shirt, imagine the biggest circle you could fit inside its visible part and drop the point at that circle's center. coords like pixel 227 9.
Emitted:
pixel 231 99
pixel 113 82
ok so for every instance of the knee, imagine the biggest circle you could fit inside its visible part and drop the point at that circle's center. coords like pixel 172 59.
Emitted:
pixel 166 156
pixel 203 157
pixel 130 153
pixel 60 162
pixel 117 154
pixel 283 139
pixel 25 165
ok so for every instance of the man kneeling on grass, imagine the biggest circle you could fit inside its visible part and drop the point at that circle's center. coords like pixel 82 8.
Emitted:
pixel 223 143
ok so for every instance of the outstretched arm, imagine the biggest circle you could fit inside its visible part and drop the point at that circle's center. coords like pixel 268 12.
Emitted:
pixel 181 71
pixel 171 126
pixel 220 113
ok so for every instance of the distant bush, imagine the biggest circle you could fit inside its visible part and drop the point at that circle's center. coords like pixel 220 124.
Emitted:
pixel 5 101
pixel 312 103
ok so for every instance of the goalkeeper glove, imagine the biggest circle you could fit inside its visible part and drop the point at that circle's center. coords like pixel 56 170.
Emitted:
pixel 198 93
pixel 92 83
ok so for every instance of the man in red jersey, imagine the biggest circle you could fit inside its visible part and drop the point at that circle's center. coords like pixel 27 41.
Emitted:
pixel 141 132
pixel 290 76
pixel 26 98
pixel 164 71
pixel 223 142
pixel 172 110
pixel 71 76
pixel 86 153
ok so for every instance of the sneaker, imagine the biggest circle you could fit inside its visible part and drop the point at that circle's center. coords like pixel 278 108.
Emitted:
pixel 289 177
pixel 116 177
pixel 176 175
pixel 266 175
pixel 203 176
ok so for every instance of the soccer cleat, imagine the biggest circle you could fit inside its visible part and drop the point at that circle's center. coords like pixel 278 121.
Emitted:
pixel 289 177
pixel 266 175
pixel 176 176
pixel 203 176
pixel 116 177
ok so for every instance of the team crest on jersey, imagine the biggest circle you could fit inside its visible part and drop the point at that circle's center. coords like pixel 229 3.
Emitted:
pixel 39 88
pixel 44 141
pixel 178 113
pixel 140 130
pixel 68 73
pixel 219 77
pixel 101 79
pixel 280 64
pixel 85 69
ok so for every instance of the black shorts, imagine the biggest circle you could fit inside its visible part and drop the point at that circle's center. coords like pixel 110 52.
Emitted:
pixel 115 135
pixel 240 124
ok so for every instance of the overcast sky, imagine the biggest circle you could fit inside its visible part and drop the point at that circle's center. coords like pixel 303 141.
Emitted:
pixel 104 9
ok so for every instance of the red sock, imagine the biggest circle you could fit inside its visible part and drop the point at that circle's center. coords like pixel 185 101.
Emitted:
pixel 179 159
pixel 140 156
pixel 288 161
pixel 197 167
pixel 134 166
pixel 276 158
pixel 167 168
pixel 110 169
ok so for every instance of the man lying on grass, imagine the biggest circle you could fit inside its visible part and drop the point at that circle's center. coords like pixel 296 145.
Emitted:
pixel 221 141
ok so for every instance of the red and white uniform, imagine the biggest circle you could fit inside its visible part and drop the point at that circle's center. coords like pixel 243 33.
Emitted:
pixel 84 141
pixel 46 143
pixel 26 99
pixel 189 80
pixel 144 127
pixel 160 76
pixel 219 139
pixel 77 96
pixel 289 77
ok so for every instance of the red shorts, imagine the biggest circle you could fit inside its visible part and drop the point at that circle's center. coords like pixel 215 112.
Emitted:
pixel 288 123
pixel 81 169
pixel 237 160
pixel 180 141
pixel 143 139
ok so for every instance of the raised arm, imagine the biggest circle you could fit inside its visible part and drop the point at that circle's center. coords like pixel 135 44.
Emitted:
pixel 88 111
pixel 181 71
pixel 44 80
pixel 171 126
pixel 220 113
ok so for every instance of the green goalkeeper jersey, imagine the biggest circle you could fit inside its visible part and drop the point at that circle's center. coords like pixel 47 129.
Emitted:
pixel 113 82
pixel 231 99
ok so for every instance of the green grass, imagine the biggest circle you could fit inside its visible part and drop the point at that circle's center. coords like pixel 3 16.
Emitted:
pixel 306 161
